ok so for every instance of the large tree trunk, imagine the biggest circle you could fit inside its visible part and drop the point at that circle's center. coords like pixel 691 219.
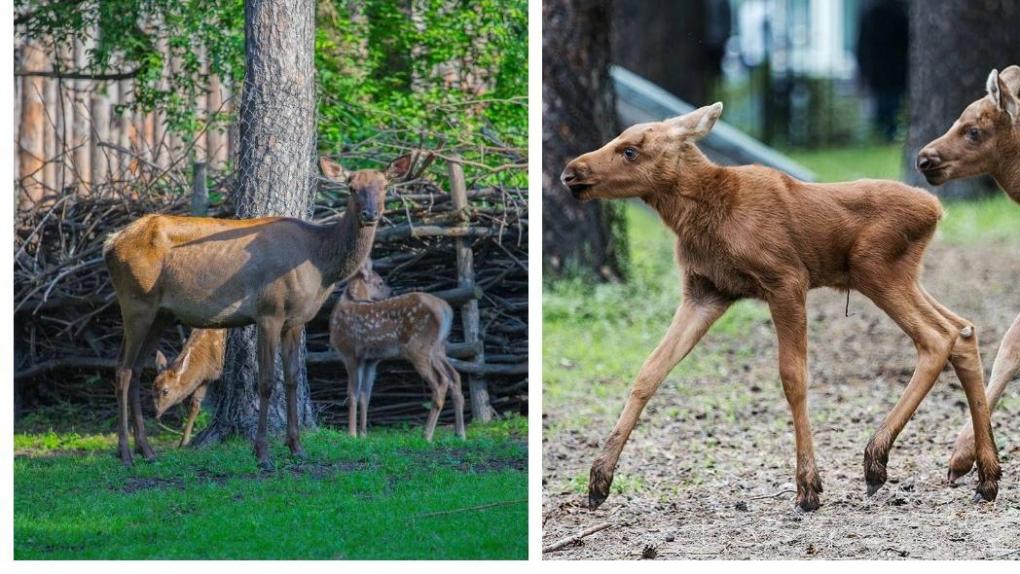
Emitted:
pixel 275 177
pixel 578 115
pixel 664 42
pixel 954 44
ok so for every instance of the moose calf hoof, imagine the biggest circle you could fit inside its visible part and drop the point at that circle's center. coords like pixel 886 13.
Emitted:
pixel 808 489
pixel 986 491
pixel 599 482
pixel 959 466
pixel 808 501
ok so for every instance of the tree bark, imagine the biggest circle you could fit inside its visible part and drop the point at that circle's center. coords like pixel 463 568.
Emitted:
pixel 275 177
pixel 31 139
pixel 578 115
pixel 954 44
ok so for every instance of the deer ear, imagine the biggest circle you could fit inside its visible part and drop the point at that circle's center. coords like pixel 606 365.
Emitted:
pixel 1011 77
pixel 697 124
pixel 332 170
pixel 184 362
pixel 1008 101
pixel 161 361
pixel 399 168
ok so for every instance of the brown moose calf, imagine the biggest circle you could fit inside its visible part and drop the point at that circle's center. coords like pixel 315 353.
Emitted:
pixel 751 231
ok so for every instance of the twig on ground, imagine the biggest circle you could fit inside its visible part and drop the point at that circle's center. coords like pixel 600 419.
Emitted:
pixel 575 538
pixel 477 507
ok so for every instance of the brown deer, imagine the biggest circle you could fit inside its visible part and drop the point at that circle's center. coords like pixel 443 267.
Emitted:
pixel 984 140
pixel 274 272
pixel 753 232
pixel 367 325
pixel 189 375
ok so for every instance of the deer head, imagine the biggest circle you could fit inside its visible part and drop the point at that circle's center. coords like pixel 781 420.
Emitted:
pixel 368 186
pixel 973 143
pixel 367 285
pixel 168 389
pixel 642 159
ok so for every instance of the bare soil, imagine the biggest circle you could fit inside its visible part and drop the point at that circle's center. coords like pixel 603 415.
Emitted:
pixel 708 473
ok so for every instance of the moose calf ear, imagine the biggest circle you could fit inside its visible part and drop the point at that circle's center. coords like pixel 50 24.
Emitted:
pixel 1011 77
pixel 400 167
pixel 697 124
pixel 161 361
pixel 332 170
pixel 184 363
pixel 1002 95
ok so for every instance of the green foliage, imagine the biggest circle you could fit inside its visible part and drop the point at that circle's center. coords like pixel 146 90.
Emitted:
pixel 353 498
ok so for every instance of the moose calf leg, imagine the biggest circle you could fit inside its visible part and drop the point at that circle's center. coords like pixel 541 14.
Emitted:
pixel 353 374
pixel 365 394
pixel 194 408
pixel 790 318
pixel 439 385
pixel 268 344
pixel 291 346
pixel 1005 368
pixel 458 398
pixel 691 321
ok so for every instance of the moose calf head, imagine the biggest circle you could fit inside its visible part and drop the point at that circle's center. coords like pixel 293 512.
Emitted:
pixel 972 146
pixel 368 186
pixel 367 285
pixel 642 159
pixel 168 389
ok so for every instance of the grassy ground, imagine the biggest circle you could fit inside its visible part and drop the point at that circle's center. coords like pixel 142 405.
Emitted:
pixel 708 469
pixel 389 496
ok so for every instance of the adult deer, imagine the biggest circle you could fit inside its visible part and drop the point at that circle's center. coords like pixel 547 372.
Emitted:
pixel 753 232
pixel 984 140
pixel 274 272
pixel 189 375
pixel 367 325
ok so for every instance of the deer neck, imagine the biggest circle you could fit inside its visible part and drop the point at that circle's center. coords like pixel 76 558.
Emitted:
pixel 1007 173
pixel 347 245
pixel 694 198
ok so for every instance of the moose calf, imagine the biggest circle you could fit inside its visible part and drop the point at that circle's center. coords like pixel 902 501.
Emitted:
pixel 984 140
pixel 751 231
pixel 200 363
pixel 368 326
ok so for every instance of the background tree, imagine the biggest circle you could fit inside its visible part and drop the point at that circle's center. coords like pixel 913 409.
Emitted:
pixel 275 177
pixel 578 114
pixel 953 46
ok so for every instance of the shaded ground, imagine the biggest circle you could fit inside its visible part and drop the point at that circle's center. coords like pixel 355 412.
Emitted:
pixel 388 496
pixel 708 473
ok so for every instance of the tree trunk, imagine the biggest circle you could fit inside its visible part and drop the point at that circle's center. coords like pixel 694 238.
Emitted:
pixel 954 44
pixel 275 177
pixel 642 30
pixel 578 115
pixel 31 139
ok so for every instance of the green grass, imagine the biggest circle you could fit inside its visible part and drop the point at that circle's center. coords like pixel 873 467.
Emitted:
pixel 352 498
pixel 847 164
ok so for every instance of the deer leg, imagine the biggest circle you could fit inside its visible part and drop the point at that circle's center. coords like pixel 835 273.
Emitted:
pixel 790 318
pixel 291 346
pixel 456 392
pixel 1005 368
pixel 438 384
pixel 136 328
pixel 691 321
pixel 353 375
pixel 933 336
pixel 194 409
pixel 365 394
pixel 148 348
pixel 268 345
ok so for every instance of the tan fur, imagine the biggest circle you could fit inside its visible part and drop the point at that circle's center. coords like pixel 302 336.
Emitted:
pixel 274 272
pixel 189 375
pixel 367 326
pixel 997 153
pixel 753 232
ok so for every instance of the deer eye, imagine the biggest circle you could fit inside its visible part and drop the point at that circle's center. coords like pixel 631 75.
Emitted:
pixel 974 134
pixel 630 153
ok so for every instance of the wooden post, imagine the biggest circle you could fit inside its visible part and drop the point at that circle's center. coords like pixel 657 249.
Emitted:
pixel 215 137
pixel 481 410
pixel 82 161
pixel 52 101
pixel 100 133
pixel 31 138
pixel 199 191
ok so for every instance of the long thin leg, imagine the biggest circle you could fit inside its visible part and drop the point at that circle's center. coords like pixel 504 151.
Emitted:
pixel 291 347
pixel 353 374
pixel 365 394
pixel 438 384
pixel 1005 368
pixel 196 407
pixel 136 328
pixel 148 348
pixel 790 318
pixel 268 345
pixel 457 393
pixel 691 321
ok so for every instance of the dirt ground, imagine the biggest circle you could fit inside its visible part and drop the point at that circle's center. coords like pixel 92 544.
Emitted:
pixel 708 473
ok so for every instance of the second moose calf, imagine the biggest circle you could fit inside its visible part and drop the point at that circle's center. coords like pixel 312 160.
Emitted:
pixel 200 363
pixel 368 326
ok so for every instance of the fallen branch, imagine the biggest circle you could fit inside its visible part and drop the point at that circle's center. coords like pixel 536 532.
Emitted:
pixel 478 507
pixel 575 538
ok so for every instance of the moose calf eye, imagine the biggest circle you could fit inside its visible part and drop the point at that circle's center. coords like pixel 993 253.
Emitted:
pixel 630 153
pixel 973 134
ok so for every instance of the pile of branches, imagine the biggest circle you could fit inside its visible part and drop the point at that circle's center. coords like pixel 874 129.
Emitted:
pixel 68 325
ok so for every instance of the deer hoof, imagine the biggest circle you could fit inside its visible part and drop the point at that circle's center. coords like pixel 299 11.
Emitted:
pixel 986 492
pixel 599 482
pixel 808 502
pixel 873 487
pixel 959 466
pixel 266 465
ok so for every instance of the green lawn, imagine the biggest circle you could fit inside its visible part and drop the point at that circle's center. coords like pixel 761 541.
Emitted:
pixel 385 497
